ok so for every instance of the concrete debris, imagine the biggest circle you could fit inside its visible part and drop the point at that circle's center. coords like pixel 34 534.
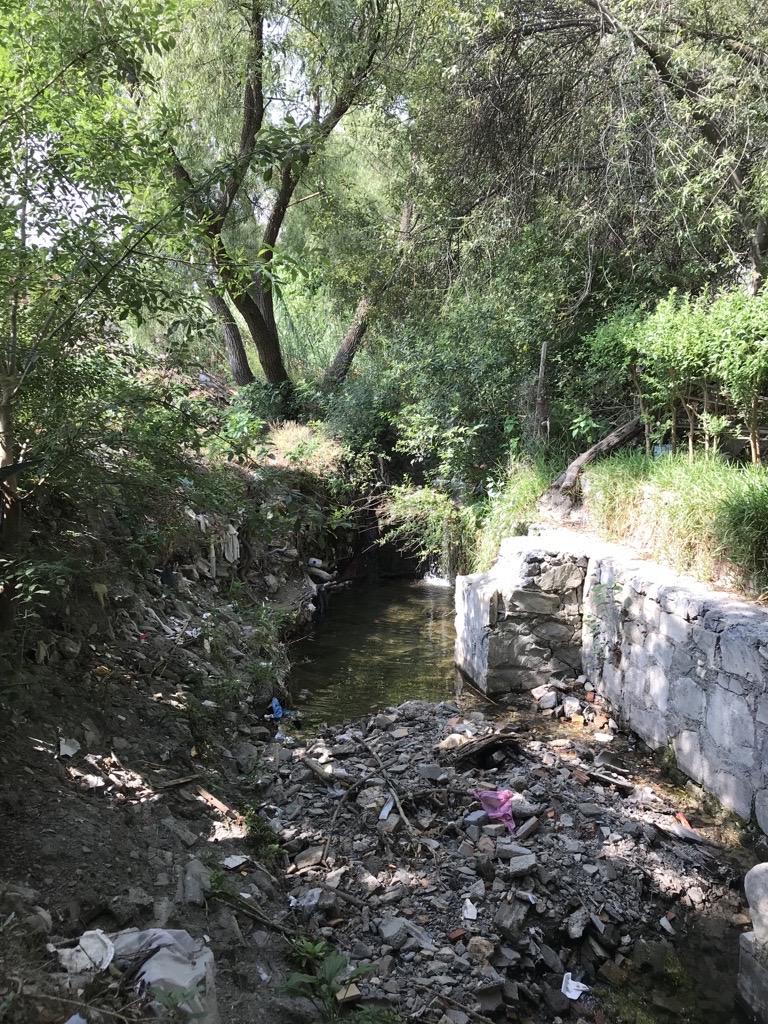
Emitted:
pixel 449 902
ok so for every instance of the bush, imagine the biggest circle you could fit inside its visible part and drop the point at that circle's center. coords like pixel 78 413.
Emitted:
pixel 426 522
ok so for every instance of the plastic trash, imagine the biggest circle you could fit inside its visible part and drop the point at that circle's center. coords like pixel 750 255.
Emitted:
pixel 497 803
pixel 572 989
pixel 234 862
pixel 177 964
pixel 93 952
pixel 278 711
pixel 68 747
pixel 174 965
pixel 386 810
pixel 469 911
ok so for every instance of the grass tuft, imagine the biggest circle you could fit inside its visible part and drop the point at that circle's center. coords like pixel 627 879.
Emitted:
pixel 709 518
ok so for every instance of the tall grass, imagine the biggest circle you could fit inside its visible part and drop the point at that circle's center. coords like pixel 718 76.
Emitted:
pixel 709 518
pixel 511 505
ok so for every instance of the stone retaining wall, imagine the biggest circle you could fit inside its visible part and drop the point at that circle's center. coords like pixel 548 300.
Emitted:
pixel 682 665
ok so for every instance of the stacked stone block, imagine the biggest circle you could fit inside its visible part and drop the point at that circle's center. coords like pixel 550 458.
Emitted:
pixel 682 665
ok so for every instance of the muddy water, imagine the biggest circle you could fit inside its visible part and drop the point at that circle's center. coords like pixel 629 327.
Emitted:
pixel 377 647
pixel 381 646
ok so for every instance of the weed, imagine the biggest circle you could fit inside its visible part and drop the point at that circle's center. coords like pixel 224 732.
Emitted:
pixel 307 953
pixel 261 837
pixel 322 988
pixel 511 505
pixel 690 515
pixel 221 882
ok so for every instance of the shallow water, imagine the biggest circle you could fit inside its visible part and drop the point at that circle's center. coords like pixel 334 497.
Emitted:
pixel 377 647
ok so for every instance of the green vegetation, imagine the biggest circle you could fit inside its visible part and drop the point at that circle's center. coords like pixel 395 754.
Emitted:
pixel 277 268
pixel 331 978
pixel 694 515
pixel 260 836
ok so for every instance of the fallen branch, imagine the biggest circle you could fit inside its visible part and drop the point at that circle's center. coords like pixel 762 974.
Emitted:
pixel 239 905
pixel 567 480
pixel 392 790
pixel 454 1003
pixel 352 789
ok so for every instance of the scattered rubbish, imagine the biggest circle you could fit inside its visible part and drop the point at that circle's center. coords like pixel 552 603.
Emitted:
pixel 76 1019
pixel 572 989
pixel 93 952
pixel 497 803
pixel 234 862
pixel 666 924
pixel 175 964
pixel 68 747
pixel 469 911
pixel 387 809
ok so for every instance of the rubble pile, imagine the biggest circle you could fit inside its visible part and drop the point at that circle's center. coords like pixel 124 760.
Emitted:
pixel 463 914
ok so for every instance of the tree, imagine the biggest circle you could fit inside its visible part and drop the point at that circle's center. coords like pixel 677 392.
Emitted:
pixel 71 153
pixel 303 69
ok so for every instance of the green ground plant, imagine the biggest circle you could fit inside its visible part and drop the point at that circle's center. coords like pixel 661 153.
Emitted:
pixel 707 518
pixel 260 837
pixel 331 977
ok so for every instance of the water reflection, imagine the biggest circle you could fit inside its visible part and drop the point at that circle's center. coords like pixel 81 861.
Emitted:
pixel 378 646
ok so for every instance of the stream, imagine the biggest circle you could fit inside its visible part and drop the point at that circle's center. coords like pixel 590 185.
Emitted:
pixel 386 644
pixel 378 646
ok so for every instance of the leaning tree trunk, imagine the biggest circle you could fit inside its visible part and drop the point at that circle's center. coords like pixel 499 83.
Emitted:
pixel 233 340
pixel 567 480
pixel 353 339
pixel 265 339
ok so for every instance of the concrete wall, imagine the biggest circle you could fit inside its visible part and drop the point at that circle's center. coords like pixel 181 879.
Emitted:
pixel 682 665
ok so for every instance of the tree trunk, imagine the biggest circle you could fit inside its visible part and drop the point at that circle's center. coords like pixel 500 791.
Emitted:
pixel 617 437
pixel 691 414
pixel 233 340
pixel 754 431
pixel 353 339
pixel 267 347
pixel 673 429
pixel 10 507
pixel 540 415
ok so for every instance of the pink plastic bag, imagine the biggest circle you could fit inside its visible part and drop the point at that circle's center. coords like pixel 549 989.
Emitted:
pixel 497 803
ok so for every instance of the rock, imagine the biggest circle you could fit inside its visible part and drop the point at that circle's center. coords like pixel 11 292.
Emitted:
pixel 520 866
pixel 479 950
pixel 163 912
pixel 394 932
pixel 556 1001
pixel 509 919
pixel 248 756
pixel 180 831
pixel 577 922
pixel 196 882
pixel 571 706
pixel 651 954
pixel 612 974
pixel 527 829
pixel 551 959
pixel 40 922
pixel 756 889
pixel 548 701
pixel 309 858
pixel 68 648
pixel 479 818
